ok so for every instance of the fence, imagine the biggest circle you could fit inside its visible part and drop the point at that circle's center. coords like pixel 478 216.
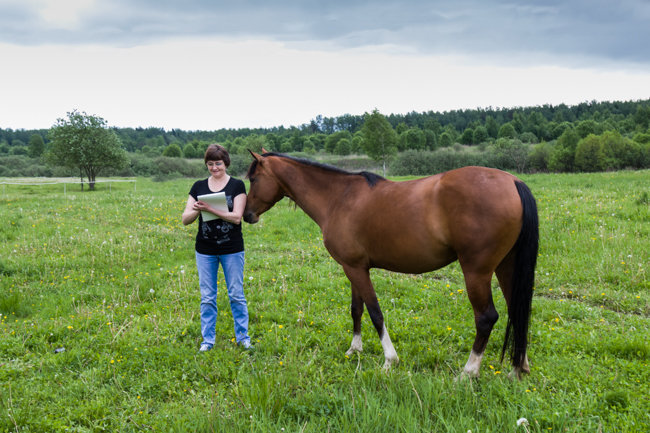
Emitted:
pixel 59 181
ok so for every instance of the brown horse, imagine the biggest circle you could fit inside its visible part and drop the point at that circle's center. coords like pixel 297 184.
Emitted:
pixel 484 218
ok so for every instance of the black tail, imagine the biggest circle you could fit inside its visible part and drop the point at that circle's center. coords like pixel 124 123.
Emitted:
pixel 523 279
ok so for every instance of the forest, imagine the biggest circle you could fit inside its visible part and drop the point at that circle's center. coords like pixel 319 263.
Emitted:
pixel 588 137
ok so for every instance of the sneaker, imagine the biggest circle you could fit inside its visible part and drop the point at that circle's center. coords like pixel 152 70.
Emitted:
pixel 205 347
pixel 246 344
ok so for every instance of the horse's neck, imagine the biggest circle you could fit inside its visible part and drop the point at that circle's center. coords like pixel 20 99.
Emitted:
pixel 315 190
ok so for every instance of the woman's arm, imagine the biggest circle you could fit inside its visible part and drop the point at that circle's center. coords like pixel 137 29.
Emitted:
pixel 190 213
pixel 239 203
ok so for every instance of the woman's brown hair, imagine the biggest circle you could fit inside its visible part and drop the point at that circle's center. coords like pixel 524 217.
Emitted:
pixel 216 152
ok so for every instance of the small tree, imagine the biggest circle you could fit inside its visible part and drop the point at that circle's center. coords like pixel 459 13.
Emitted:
pixel 379 138
pixel 189 151
pixel 333 139
pixel 480 135
pixel 445 139
pixel 467 136
pixel 343 147
pixel 412 138
pixel 36 146
pixel 173 150
pixel 85 142
pixel 563 155
pixel 507 130
pixel 589 154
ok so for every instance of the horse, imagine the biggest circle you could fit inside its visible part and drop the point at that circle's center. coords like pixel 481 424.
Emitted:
pixel 485 218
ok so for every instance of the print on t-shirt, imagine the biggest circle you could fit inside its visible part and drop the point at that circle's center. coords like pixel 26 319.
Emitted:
pixel 216 230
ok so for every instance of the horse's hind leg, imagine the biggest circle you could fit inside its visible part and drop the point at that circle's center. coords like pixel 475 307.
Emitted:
pixel 356 309
pixel 362 286
pixel 485 316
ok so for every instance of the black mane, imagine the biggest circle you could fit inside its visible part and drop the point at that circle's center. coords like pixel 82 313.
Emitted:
pixel 372 178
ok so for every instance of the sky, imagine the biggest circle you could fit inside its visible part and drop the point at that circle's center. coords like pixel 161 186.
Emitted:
pixel 212 64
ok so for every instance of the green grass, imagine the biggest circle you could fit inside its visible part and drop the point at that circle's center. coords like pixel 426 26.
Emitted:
pixel 109 276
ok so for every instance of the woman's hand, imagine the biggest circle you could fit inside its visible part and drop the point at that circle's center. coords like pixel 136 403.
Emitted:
pixel 202 206
pixel 195 207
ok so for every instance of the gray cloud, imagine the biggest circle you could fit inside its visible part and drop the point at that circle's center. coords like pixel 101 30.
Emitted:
pixel 573 30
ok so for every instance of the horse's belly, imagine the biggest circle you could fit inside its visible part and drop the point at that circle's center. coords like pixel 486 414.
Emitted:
pixel 413 262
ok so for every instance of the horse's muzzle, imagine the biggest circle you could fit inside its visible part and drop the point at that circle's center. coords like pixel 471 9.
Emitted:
pixel 250 217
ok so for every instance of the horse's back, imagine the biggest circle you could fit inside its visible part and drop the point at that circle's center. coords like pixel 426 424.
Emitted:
pixel 424 224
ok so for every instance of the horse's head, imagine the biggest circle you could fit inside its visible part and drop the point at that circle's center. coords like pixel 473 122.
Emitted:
pixel 265 191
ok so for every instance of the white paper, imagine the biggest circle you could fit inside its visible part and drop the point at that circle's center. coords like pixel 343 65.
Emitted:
pixel 216 200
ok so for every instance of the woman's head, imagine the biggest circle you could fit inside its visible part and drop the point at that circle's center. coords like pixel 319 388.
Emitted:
pixel 216 152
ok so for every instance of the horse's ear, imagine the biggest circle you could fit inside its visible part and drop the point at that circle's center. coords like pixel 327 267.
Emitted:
pixel 264 150
pixel 255 156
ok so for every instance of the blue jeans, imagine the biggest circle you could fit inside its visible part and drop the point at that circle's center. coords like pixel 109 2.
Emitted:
pixel 233 270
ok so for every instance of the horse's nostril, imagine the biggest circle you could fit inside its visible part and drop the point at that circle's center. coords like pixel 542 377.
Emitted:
pixel 249 217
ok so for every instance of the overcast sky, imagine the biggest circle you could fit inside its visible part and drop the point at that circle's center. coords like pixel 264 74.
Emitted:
pixel 209 64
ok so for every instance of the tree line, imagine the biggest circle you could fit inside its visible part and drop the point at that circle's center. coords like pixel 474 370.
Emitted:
pixel 591 136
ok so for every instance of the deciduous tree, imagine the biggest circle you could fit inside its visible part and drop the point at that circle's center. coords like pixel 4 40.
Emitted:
pixel 85 142
pixel 36 146
pixel 173 150
pixel 379 138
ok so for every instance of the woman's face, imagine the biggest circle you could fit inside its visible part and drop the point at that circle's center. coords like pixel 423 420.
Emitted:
pixel 216 168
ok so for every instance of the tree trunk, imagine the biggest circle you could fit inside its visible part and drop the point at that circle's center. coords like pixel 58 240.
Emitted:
pixel 90 173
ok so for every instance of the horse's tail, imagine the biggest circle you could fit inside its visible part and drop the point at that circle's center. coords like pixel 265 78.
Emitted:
pixel 523 279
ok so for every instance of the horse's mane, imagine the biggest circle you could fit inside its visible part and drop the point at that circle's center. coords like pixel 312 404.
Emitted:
pixel 372 178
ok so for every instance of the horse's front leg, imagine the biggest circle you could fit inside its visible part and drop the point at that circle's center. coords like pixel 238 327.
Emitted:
pixel 360 279
pixel 356 309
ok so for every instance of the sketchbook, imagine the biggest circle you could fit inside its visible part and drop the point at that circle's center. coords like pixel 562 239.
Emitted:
pixel 216 200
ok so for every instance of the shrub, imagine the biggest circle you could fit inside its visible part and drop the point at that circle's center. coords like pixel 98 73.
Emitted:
pixel 561 159
pixel 507 154
pixel 423 163
pixel 22 165
pixel 589 155
pixel 141 165
pixel 480 135
pixel 445 139
pixel 239 164
pixel 528 137
pixel 507 131
pixel 170 168
pixel 189 151
pixel 173 151
pixel 539 156
pixel 343 147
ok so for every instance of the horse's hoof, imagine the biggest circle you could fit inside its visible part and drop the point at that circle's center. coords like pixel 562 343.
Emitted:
pixel 517 373
pixel 351 351
pixel 388 363
pixel 465 376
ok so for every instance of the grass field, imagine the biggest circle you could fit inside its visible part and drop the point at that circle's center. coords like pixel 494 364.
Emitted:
pixel 99 325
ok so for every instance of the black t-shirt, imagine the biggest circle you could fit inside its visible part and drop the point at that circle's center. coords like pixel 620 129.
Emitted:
pixel 217 236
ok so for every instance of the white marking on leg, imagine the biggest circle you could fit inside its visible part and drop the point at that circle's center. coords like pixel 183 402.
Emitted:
pixel 473 365
pixel 517 371
pixel 356 345
pixel 390 355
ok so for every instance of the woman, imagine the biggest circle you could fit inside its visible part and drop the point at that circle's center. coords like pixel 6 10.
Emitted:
pixel 219 241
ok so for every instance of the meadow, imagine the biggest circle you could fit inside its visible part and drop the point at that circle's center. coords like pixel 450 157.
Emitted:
pixel 99 326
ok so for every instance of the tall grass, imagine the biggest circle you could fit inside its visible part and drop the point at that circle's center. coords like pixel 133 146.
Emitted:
pixel 99 325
